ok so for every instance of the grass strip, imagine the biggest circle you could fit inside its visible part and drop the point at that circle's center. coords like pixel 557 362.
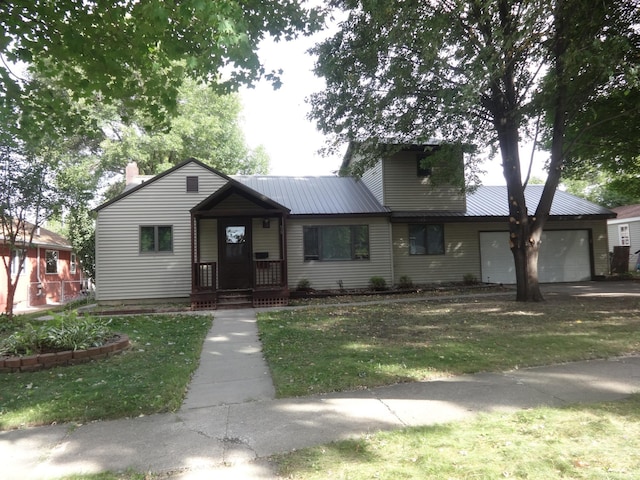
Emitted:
pixel 579 442
pixel 337 348
pixel 151 377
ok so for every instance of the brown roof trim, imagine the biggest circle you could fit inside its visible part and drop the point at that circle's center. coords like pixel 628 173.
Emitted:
pixel 339 215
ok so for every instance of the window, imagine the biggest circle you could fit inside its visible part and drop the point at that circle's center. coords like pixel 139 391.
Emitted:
pixel 192 184
pixel 157 238
pixel 73 264
pixel 426 239
pixel 51 258
pixel 349 242
pixel 424 168
pixel 623 232
pixel 16 257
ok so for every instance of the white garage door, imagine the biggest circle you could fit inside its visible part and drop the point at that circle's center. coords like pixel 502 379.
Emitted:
pixel 564 257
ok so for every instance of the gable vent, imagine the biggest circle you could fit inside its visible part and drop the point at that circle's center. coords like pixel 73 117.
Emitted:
pixel 192 184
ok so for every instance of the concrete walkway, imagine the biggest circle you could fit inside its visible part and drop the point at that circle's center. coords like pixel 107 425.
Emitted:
pixel 230 421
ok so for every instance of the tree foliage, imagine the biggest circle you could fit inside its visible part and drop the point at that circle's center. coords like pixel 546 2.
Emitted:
pixel 27 198
pixel 485 73
pixel 135 52
pixel 206 126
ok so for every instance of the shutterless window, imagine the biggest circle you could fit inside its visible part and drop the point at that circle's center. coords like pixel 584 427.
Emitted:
pixel 16 257
pixel 156 238
pixel 625 238
pixel 51 259
pixel 192 184
pixel 348 242
pixel 73 264
pixel 426 239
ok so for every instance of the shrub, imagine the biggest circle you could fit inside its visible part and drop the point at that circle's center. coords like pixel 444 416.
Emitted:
pixel 405 282
pixel 64 332
pixel 304 284
pixel 377 283
pixel 469 279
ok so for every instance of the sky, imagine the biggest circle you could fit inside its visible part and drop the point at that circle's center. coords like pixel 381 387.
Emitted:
pixel 277 119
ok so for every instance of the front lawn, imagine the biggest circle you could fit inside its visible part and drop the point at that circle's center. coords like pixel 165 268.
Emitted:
pixel 151 377
pixel 579 442
pixel 348 347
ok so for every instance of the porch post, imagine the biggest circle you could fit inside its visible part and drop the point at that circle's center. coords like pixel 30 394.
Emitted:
pixel 283 239
pixel 193 254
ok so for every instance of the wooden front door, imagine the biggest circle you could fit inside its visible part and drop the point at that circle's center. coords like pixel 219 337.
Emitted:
pixel 235 255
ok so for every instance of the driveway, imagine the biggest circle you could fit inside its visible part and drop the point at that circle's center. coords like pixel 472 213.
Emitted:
pixel 627 288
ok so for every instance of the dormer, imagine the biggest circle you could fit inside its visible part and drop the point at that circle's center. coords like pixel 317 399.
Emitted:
pixel 426 177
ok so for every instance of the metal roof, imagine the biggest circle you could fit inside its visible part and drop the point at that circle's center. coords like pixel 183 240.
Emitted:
pixel 346 195
pixel 316 195
pixel 491 201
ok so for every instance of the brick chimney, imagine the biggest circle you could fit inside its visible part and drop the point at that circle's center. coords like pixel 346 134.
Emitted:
pixel 131 172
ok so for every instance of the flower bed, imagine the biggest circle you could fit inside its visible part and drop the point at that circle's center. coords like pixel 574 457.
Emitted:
pixel 31 363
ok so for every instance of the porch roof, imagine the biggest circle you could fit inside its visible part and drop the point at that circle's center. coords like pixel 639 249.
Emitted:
pixel 316 195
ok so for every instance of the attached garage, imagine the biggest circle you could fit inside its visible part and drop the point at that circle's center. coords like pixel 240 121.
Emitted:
pixel 565 256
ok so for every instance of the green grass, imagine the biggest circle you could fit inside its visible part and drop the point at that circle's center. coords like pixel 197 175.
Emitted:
pixel 151 377
pixel 581 442
pixel 348 347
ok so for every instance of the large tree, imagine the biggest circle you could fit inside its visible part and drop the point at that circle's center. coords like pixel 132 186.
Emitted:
pixel 206 126
pixel 136 52
pixel 488 73
pixel 27 199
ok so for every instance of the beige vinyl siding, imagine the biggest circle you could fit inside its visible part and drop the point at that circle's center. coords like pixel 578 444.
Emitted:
pixel 267 239
pixel 404 190
pixel 353 273
pixel 374 180
pixel 461 257
pixel 236 202
pixel 208 240
pixel 122 272
pixel 462 251
pixel 634 237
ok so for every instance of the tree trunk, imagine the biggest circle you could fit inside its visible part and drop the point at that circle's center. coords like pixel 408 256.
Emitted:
pixel 524 231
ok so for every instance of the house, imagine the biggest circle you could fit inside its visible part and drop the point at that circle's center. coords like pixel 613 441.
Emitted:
pixel 624 231
pixel 194 232
pixel 50 274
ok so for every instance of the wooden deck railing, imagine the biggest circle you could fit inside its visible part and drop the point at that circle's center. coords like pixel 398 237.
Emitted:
pixel 204 276
pixel 268 273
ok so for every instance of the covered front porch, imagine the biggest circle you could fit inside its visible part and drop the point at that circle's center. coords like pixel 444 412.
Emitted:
pixel 238 251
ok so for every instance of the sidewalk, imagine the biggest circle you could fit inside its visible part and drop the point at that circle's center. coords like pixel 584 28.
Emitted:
pixel 230 420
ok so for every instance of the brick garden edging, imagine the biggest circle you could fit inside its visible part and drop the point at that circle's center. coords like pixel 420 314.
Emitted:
pixel 31 363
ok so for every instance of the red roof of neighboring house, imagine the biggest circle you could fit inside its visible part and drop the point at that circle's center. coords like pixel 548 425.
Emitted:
pixel 627 211
pixel 44 238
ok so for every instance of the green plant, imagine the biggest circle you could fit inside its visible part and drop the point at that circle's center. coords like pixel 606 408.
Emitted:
pixel 304 284
pixel 65 331
pixel 470 279
pixel 405 282
pixel 151 377
pixel 377 283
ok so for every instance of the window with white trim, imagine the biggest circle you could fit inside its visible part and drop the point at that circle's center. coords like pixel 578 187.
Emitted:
pixel 16 257
pixel 623 234
pixel 51 259
pixel 156 239
pixel 73 264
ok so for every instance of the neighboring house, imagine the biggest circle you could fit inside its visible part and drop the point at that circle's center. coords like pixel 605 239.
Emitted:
pixel 50 275
pixel 624 231
pixel 192 231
